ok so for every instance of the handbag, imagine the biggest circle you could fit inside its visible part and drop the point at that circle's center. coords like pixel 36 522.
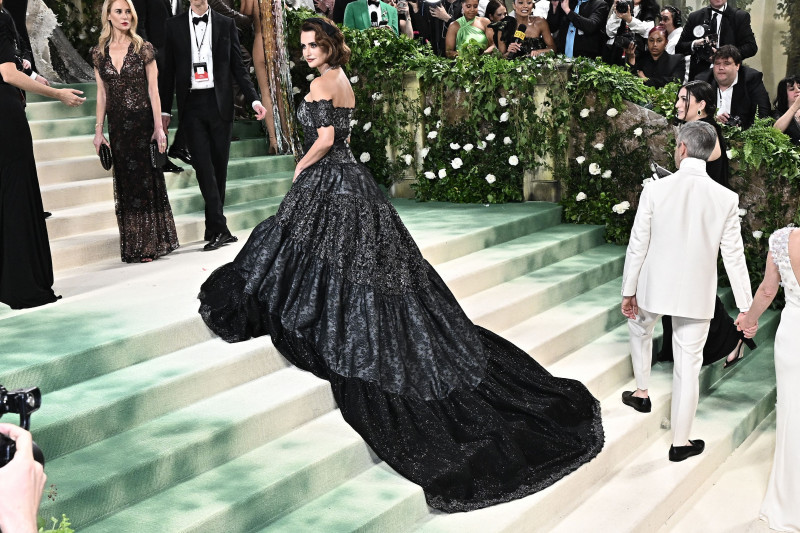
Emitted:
pixel 105 156
pixel 157 159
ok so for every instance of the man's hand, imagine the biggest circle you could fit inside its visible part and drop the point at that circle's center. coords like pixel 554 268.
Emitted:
pixel 165 121
pixel 440 13
pixel 745 325
pixel 21 483
pixel 723 117
pixel 565 6
pixel 630 53
pixel 629 307
pixel 260 110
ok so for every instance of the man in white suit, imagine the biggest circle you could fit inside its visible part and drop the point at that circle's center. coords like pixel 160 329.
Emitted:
pixel 682 223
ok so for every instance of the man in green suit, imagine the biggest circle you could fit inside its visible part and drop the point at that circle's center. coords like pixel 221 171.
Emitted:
pixel 358 15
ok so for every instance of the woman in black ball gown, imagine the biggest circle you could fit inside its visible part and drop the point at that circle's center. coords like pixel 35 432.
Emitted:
pixel 340 286
pixel 26 268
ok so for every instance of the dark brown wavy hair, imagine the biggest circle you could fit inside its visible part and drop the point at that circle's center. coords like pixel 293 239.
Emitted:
pixel 330 38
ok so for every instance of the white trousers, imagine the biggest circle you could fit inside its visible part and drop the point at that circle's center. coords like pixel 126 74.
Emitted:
pixel 688 339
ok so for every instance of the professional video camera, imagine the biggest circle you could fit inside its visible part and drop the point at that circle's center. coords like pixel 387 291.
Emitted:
pixel 710 41
pixel 23 402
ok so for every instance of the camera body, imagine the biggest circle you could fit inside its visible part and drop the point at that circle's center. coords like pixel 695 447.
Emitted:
pixel 625 6
pixel 23 402
pixel 735 121
pixel 624 39
pixel 705 50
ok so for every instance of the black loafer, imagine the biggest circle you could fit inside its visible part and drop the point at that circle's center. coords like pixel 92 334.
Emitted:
pixel 169 166
pixel 679 453
pixel 642 405
pixel 182 154
pixel 218 241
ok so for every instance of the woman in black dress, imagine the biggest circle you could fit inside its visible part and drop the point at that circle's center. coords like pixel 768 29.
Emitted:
pixel 538 39
pixel 696 101
pixel 127 91
pixel 655 65
pixel 26 268
pixel 787 107
pixel 340 286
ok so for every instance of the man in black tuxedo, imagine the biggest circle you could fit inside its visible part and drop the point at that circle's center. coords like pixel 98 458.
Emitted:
pixel 741 94
pixel 202 57
pixel 152 26
pixel 731 24
pixel 578 26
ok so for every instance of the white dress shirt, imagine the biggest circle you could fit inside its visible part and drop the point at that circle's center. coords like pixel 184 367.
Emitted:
pixel 200 37
pixel 636 26
pixel 724 98
pixel 673 38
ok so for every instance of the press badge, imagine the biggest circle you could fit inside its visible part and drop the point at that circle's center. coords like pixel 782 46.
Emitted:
pixel 200 71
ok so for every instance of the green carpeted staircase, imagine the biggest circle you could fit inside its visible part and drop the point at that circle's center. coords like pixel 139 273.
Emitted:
pixel 150 423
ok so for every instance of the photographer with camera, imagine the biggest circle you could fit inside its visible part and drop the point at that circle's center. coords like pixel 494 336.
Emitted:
pixel 21 484
pixel 577 26
pixel 629 21
pixel 712 27
pixel 740 90
pixel 655 66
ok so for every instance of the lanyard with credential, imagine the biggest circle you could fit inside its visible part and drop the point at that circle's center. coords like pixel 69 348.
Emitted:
pixel 202 39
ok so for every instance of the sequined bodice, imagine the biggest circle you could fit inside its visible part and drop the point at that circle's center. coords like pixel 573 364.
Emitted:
pixel 321 114
pixel 126 89
pixel 779 248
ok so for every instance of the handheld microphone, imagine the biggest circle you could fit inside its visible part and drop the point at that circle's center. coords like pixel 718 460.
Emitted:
pixel 374 19
pixel 519 36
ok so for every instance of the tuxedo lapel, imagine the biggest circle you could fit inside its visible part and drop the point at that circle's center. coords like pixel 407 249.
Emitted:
pixel 216 31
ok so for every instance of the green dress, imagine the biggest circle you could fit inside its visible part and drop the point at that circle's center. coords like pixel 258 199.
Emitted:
pixel 467 33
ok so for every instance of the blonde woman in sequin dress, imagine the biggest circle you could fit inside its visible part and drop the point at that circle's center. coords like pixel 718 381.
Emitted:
pixel 127 92
pixel 781 509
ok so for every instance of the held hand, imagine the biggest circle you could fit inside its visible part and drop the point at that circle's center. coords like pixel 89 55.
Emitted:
pixel 21 483
pixel 261 111
pixel 99 139
pixel 565 6
pixel 630 308
pixel 513 48
pixel 745 325
pixel 160 137
pixel 71 97
pixel 627 17
pixel 165 121
pixel 723 117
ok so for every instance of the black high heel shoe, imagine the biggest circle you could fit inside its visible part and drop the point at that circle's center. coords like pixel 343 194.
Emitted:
pixel 739 351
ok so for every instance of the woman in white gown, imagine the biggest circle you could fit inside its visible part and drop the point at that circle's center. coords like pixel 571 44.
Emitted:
pixel 781 506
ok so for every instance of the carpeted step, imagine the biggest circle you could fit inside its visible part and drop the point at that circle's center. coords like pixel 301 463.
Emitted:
pixel 89 92
pixel 254 489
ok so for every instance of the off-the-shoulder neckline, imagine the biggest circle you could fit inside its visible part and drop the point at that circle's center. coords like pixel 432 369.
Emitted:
pixel 328 100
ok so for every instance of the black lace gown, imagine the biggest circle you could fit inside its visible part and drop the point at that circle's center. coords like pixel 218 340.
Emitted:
pixel 340 286
pixel 146 227
pixel 26 268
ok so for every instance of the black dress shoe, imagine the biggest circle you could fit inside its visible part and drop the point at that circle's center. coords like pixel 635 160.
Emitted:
pixel 642 405
pixel 182 154
pixel 679 453
pixel 47 214
pixel 219 240
pixel 169 166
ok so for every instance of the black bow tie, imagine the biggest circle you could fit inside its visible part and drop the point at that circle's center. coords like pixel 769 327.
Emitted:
pixel 374 3
pixel 198 20
pixel 717 11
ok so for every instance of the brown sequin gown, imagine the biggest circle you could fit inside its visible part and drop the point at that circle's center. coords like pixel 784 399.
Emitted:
pixel 146 227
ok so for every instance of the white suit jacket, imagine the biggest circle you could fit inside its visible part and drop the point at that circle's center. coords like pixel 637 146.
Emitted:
pixel 682 223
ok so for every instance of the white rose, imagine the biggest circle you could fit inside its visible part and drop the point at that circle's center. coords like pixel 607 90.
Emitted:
pixel 442 173
pixel 481 145
pixel 466 89
pixel 353 122
pixel 310 77
pixel 430 175
pixel 503 102
pixel 584 113
pixel 364 157
pixel 507 141
pixel 367 126
pixel 599 146
pixel 427 111
pixel 490 137
pixel 742 212
pixel 581 197
pixel 515 101
pixel 519 69
pixel 729 153
pixel 620 208
pixel 455 146
pixel 607 174
pixel 377 96
pixel 409 159
pixel 637 132
pixel 504 117
pixel 612 112
pixel 490 178
pixel 580 159
pixel 438 123
pixel 376 42
pixel 468 147
pixel 594 169
pixel 353 79
pixel 424 152
pixel 513 161
pixel 456 163
pixel 295 90
pixel 758 234
pixel 432 134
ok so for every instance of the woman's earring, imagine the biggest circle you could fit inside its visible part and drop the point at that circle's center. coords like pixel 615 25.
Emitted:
pixel 698 112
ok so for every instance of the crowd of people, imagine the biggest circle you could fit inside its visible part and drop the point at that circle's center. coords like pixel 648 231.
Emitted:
pixel 335 228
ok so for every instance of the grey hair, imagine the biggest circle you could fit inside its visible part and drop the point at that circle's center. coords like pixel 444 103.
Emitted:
pixel 699 137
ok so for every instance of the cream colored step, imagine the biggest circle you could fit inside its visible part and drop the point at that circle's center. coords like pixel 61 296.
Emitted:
pixel 72 194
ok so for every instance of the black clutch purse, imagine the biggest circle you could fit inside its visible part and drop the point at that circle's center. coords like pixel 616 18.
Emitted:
pixel 105 156
pixel 157 159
